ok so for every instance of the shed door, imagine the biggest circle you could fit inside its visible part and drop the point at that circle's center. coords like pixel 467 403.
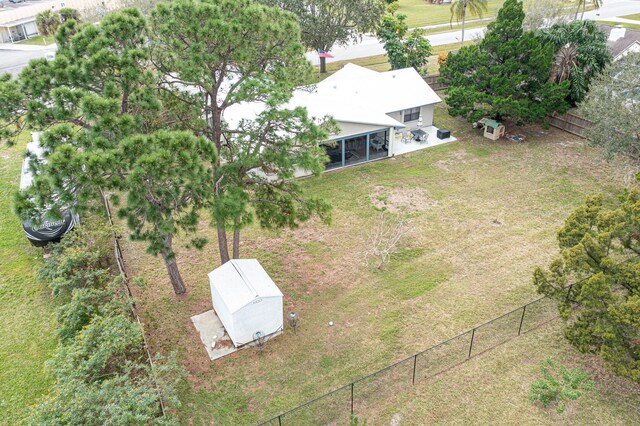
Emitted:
pixel 262 314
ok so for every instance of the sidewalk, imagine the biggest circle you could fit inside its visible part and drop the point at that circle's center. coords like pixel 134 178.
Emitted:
pixel 27 47
pixel 456 23
pixel 621 20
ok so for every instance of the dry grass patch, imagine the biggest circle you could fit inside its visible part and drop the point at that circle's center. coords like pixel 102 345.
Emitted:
pixel 478 229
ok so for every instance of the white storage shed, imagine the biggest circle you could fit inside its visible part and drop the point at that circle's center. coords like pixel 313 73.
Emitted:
pixel 246 300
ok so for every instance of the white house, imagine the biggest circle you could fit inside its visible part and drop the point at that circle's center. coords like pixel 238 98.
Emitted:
pixel 20 29
pixel 373 110
pixel 246 300
pixel 18 20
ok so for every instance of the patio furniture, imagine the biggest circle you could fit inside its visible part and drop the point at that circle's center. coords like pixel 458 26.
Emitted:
pixel 349 154
pixel 419 135
pixel 335 156
pixel 443 134
pixel 377 143
pixel 406 137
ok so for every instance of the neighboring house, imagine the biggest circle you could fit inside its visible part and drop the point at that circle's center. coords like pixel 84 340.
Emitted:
pixel 620 40
pixel 18 20
pixel 21 29
pixel 373 110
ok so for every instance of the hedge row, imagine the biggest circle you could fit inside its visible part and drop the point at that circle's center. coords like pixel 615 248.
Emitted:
pixel 102 375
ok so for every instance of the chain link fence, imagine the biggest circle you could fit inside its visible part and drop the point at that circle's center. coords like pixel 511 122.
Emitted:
pixel 354 399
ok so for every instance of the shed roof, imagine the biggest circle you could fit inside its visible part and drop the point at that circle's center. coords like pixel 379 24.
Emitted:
pixel 493 123
pixel 240 281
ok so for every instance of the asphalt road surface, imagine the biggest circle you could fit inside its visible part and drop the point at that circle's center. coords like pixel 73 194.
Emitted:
pixel 370 46
pixel 13 61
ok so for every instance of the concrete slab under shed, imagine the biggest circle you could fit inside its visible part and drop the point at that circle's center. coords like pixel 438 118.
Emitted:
pixel 212 331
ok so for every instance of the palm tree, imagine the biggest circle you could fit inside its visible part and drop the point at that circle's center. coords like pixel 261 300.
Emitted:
pixel 47 23
pixel 459 10
pixel 581 54
pixel 596 3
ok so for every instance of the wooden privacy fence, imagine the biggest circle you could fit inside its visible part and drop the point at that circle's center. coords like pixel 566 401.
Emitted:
pixel 432 80
pixel 570 123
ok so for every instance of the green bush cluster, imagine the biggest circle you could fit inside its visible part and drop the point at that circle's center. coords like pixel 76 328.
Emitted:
pixel 102 375
pixel 559 385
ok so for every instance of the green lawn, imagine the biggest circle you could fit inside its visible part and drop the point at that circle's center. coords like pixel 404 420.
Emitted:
pixel 27 334
pixel 623 24
pixel 420 13
pixel 482 215
pixel 470 393
pixel 635 17
pixel 39 40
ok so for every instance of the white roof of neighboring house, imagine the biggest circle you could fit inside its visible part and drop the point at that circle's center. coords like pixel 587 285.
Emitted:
pixel 18 22
pixel 620 40
pixel 354 95
pixel 240 281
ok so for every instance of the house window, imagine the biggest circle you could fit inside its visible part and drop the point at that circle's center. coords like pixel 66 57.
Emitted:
pixel 411 114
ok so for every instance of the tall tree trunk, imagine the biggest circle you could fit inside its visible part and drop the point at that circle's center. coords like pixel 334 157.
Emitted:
pixel 584 5
pixel 222 242
pixel 172 266
pixel 578 8
pixel 323 65
pixel 464 17
pixel 216 129
pixel 236 239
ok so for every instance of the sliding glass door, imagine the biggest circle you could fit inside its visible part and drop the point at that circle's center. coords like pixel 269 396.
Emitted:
pixel 378 145
pixel 357 149
pixel 334 151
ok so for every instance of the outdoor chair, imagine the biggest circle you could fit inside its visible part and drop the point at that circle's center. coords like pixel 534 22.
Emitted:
pixel 407 137
pixel 377 144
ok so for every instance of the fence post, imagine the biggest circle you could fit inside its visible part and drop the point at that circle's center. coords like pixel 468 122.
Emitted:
pixel 353 383
pixel 415 361
pixel 473 333
pixel 280 420
pixel 522 319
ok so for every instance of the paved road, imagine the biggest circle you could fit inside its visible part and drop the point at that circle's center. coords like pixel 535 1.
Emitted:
pixel 370 46
pixel 12 61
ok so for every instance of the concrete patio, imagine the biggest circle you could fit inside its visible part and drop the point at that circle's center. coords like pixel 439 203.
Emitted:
pixel 401 148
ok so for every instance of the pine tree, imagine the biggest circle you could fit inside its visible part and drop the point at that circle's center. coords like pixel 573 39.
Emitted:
pixel 230 52
pixel 596 281
pixel 97 93
pixel 167 178
pixel 506 75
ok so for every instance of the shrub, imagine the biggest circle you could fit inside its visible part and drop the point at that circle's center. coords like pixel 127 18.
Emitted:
pixel 559 385
pixel 442 58
pixel 101 371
